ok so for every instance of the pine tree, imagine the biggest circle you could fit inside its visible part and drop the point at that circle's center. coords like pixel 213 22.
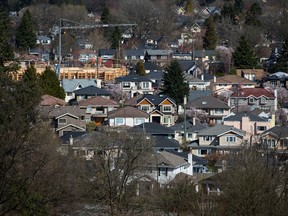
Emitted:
pixel 105 15
pixel 6 51
pixel 50 84
pixel 25 34
pixel 282 60
pixel 140 69
pixel 116 38
pixel 238 6
pixel 244 56
pixel 174 83
pixel 210 37
pixel 253 15
pixel 189 7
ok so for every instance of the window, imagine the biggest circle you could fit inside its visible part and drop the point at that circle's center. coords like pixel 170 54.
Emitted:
pixel 230 139
pixel 62 121
pixel 263 100
pixel 190 135
pixel 145 108
pixel 82 118
pixel 218 111
pixel 163 172
pixel 167 108
pixel 207 138
pixel 251 100
pixel 126 85
pixel 69 93
pixel 145 85
pixel 202 152
pixel 139 121
pixel 167 119
pixel 261 128
pixel 119 121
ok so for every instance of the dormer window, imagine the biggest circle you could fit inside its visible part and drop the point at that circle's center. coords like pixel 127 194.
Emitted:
pixel 251 100
pixel 263 100
pixel 126 84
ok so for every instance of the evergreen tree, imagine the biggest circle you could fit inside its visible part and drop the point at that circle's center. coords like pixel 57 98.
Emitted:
pixel 6 51
pixel 174 83
pixel 244 56
pixel 105 15
pixel 116 38
pixel 253 15
pixel 50 84
pixel 140 69
pixel 189 7
pixel 228 11
pixel 238 6
pixel 25 34
pixel 210 37
pixel 282 60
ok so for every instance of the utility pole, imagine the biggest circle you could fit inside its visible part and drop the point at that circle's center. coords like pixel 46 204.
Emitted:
pixel 185 123
pixel 76 25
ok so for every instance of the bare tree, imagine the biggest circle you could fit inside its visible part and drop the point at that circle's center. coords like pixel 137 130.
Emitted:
pixel 225 56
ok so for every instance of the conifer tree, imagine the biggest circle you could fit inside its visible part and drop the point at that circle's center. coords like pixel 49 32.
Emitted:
pixel 210 37
pixel 174 83
pixel 25 34
pixel 189 7
pixel 116 38
pixel 140 69
pixel 253 15
pixel 105 15
pixel 244 56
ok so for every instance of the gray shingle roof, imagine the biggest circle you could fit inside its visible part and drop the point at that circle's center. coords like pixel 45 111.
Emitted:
pixel 136 52
pixel 152 129
pixel 165 142
pixel 107 52
pixel 194 94
pixel 207 102
pixel 132 78
pixel 70 85
pixel 167 159
pixel 127 111
pixel 158 52
pixel 155 99
pixel 279 131
pixel 91 90
pixel 251 116
pixel 189 127
pixel 186 64
pixel 220 129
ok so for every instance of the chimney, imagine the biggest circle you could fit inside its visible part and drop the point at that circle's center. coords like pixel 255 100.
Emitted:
pixel 71 140
pixel 275 100
pixel 202 77
pixel 190 161
pixel 215 79
pixel 194 120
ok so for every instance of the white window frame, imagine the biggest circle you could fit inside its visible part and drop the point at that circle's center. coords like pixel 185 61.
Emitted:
pixel 251 100
pixel 145 85
pixel 263 100
pixel 231 139
pixel 119 123
pixel 126 85
pixel 207 138
pixel 219 111
pixel 62 122
pixel 146 110
pixel 166 119
pixel 166 106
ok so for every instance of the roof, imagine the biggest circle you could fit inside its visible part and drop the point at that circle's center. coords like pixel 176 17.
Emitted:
pixel 186 64
pixel 107 52
pixel 70 85
pixel 71 134
pixel 152 128
pixel 206 76
pixel 136 52
pixel 209 102
pixel 52 112
pixel 165 142
pixel 191 78
pixel 278 131
pixel 158 52
pixel 155 99
pixel 132 78
pixel 218 130
pixel 157 75
pixel 127 112
pixel 48 100
pixel 167 159
pixel 194 94
pixel 151 66
pixel 250 115
pixel 259 73
pixel 91 90
pixel 256 92
pixel 97 101
pixel 189 127
pixel 133 101
pixel 196 159
pixel 233 79
pixel 203 53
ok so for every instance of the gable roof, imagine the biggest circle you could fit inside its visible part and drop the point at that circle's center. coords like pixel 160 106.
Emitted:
pixel 186 64
pixel 52 112
pixel 48 100
pixel 71 134
pixel 250 115
pixel 128 112
pixel 98 101
pixel 135 52
pixel 196 159
pixel 191 79
pixel 155 99
pixel 157 75
pixel 158 52
pixel 219 130
pixel 70 85
pixel 92 91
pixel 133 101
pixel 132 78
pixel 167 159
pixel 152 128
pixel 203 53
pixel 256 92
pixel 70 125
pixel 233 79
pixel 165 142
pixel 107 52
pixel 193 95
pixel 209 102
pixel 281 132
pixel 189 126
pixel 151 66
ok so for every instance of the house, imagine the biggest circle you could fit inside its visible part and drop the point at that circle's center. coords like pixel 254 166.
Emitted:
pixel 253 125
pixel 161 108
pixel 194 94
pixel 275 138
pixel 43 40
pixel 48 100
pixel 158 56
pixel 107 54
pixel 192 129
pixel 204 57
pixel 70 85
pixel 189 67
pixel 195 83
pixel 156 77
pixel 151 67
pixel 248 99
pixel 127 116
pixel 214 108
pixel 63 118
pixel 279 79
pixel 84 44
pixel 182 56
pixel 134 55
pixel 89 92
pixel 251 74
pixel 135 84
pixel 220 139
pixel 87 55
pixel 98 107
pixel 229 82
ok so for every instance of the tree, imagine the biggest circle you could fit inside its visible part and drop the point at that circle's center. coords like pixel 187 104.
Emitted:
pixel 50 84
pixel 111 174
pixel 210 37
pixel 140 69
pixel 253 15
pixel 25 34
pixel 6 51
pixel 117 93
pixel 225 56
pixel 244 56
pixel 116 38
pixel 282 60
pixel 105 15
pixel 189 7
pixel 174 83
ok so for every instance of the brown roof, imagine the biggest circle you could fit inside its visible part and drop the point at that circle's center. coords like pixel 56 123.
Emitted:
pixel 168 159
pixel 259 73
pixel 128 111
pixel 256 92
pixel 98 101
pixel 233 79
pixel 133 100
pixel 52 112
pixel 48 100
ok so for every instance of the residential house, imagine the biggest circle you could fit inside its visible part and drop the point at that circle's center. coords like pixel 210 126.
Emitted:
pixel 91 91
pixel 84 44
pixel 97 108
pixel 192 129
pixel 157 78
pixel 43 40
pixel 220 139
pixel 229 83
pixel 182 56
pixel 107 54
pixel 127 116
pixel 253 125
pixel 189 67
pixel 151 67
pixel 161 108
pixel 213 107
pixel 251 74
pixel 64 118
pixel 135 84
pixel 70 85
pixel 279 79
pixel 204 57
pixel 87 55
pixel 194 82
pixel 248 99
pixel 134 55
pixel 275 138
pixel 48 100
pixel 158 56
pixel 193 95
